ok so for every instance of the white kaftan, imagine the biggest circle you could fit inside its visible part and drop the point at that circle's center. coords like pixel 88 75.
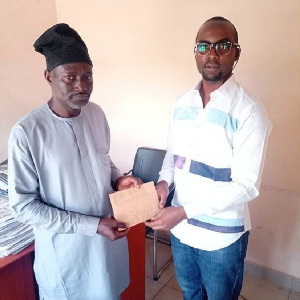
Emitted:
pixel 59 179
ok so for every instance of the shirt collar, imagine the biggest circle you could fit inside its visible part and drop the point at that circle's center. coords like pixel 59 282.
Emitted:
pixel 47 107
pixel 226 89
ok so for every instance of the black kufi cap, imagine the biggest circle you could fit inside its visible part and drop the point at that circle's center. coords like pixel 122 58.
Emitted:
pixel 61 45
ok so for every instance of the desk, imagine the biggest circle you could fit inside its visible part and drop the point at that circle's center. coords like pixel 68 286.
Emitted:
pixel 16 276
pixel 17 279
pixel 136 245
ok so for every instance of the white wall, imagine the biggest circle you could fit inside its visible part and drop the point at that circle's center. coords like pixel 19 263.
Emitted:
pixel 21 68
pixel 143 59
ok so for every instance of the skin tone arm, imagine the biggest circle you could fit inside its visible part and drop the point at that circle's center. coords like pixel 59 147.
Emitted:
pixel 168 217
pixel 109 227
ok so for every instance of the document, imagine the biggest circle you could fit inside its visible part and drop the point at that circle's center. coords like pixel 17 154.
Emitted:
pixel 135 205
pixel 14 236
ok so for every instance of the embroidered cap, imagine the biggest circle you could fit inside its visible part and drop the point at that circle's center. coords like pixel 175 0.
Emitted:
pixel 61 45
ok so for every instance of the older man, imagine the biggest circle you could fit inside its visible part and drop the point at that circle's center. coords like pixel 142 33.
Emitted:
pixel 216 147
pixel 60 175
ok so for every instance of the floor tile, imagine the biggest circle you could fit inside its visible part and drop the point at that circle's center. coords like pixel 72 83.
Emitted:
pixel 277 278
pixel 167 274
pixel 152 288
pixel 164 253
pixel 266 284
pixel 296 285
pixel 251 291
pixel 167 293
pixel 294 295
pixel 174 284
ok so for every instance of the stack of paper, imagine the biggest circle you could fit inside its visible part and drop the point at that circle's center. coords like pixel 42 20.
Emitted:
pixel 14 236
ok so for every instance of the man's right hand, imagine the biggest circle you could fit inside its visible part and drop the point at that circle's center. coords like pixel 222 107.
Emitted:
pixel 162 193
pixel 109 228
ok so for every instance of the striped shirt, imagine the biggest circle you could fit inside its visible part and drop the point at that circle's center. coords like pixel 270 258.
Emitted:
pixel 215 158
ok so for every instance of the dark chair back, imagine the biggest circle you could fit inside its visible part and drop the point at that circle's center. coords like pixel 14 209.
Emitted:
pixel 147 163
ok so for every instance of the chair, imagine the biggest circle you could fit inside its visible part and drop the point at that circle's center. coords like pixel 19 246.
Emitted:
pixel 147 164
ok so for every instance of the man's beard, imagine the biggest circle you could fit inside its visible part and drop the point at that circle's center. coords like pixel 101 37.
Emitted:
pixel 79 103
pixel 212 78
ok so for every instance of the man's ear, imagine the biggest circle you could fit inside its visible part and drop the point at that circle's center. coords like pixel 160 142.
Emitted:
pixel 237 53
pixel 48 76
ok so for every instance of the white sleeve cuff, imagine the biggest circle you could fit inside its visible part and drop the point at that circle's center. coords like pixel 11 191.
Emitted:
pixel 88 225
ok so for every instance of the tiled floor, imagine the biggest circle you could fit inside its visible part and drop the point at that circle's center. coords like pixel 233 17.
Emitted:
pixel 167 288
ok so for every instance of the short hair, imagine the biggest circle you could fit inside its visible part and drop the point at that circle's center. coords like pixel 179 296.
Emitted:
pixel 218 18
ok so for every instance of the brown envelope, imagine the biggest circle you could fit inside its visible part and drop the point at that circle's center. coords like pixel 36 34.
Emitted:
pixel 135 205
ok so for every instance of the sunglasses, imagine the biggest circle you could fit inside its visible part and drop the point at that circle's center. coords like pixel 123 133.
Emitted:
pixel 222 48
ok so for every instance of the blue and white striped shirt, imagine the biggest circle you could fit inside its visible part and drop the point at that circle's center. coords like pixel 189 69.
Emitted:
pixel 215 158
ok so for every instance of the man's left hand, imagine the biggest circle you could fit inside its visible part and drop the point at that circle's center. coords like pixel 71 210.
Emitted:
pixel 126 182
pixel 167 218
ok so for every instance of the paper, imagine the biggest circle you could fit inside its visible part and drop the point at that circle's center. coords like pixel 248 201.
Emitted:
pixel 14 236
pixel 135 205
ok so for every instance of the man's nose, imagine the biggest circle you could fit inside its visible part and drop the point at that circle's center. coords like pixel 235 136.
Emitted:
pixel 213 53
pixel 80 85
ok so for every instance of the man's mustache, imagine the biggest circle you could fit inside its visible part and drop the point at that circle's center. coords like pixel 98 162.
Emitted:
pixel 212 63
pixel 80 94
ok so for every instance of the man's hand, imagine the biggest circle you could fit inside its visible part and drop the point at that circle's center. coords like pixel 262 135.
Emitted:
pixel 109 228
pixel 162 193
pixel 126 182
pixel 167 218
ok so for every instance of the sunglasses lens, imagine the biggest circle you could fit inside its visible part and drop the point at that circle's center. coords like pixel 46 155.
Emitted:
pixel 203 48
pixel 223 48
